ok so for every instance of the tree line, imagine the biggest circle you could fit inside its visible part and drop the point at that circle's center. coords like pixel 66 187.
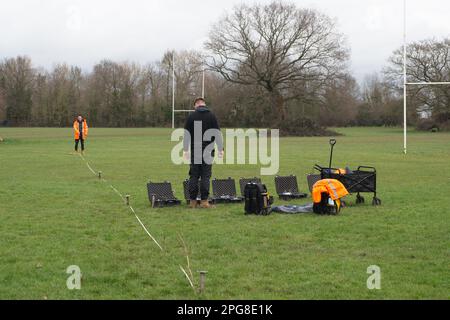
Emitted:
pixel 272 65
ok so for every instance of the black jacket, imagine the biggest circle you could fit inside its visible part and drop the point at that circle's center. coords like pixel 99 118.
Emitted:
pixel 208 121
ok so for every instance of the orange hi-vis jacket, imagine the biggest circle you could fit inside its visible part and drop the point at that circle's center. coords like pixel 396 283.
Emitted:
pixel 333 187
pixel 76 129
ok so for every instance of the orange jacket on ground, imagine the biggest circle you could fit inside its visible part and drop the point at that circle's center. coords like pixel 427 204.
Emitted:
pixel 333 187
pixel 76 128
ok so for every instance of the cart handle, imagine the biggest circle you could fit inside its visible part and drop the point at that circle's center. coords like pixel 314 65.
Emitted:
pixel 367 167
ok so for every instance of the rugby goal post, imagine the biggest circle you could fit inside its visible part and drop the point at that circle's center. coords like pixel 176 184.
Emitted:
pixel 173 91
pixel 406 83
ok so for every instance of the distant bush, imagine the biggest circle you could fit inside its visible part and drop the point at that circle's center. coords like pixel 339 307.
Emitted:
pixel 304 127
pixel 426 124
pixel 440 122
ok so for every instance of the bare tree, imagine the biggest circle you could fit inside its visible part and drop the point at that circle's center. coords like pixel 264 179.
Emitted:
pixel 188 68
pixel 17 79
pixel 427 61
pixel 341 99
pixel 283 49
pixel 2 106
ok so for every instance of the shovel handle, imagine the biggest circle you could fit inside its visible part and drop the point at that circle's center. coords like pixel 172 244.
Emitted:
pixel 332 143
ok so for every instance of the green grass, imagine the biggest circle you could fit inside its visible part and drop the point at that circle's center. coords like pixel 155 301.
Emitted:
pixel 54 213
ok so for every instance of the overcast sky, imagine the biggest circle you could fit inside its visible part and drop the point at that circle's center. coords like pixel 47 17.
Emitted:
pixel 83 32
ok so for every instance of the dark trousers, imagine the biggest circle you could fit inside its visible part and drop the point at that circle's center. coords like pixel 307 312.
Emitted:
pixel 81 140
pixel 202 172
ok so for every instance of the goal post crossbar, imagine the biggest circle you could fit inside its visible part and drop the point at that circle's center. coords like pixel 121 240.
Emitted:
pixel 426 83
pixel 174 87
pixel 406 83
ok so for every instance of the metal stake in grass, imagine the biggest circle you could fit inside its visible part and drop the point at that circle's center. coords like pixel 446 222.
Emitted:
pixel 99 174
pixel 202 280
pixel 127 197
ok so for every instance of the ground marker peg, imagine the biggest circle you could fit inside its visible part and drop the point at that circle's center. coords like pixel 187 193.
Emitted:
pixel 127 197
pixel 99 174
pixel 202 280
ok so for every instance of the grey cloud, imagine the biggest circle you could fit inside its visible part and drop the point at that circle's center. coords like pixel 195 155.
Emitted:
pixel 83 32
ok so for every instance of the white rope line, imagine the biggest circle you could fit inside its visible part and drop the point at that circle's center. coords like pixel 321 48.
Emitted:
pixel 137 218
pixel 89 167
pixel 154 240
pixel 123 199
pixel 117 191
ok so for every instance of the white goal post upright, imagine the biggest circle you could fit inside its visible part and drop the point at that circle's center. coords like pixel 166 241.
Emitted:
pixel 404 77
pixel 173 90
pixel 203 82
pixel 405 83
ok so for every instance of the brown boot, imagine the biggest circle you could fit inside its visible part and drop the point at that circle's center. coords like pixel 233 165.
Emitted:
pixel 193 204
pixel 205 204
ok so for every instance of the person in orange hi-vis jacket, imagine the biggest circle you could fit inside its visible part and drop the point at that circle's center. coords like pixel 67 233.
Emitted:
pixel 80 129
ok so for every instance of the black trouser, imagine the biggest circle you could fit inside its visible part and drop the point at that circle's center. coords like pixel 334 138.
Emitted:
pixel 82 143
pixel 202 172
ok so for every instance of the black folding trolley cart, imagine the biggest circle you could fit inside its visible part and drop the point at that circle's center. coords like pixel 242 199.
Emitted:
pixel 364 179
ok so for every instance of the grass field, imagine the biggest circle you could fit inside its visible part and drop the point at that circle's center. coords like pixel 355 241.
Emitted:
pixel 54 213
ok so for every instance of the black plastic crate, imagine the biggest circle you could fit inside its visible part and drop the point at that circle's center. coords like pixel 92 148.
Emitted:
pixel 243 182
pixel 224 190
pixel 287 188
pixel 312 179
pixel 160 194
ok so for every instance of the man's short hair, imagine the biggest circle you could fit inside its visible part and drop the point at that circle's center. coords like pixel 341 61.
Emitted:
pixel 199 99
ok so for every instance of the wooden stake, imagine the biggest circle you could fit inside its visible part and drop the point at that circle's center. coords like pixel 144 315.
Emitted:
pixel 202 280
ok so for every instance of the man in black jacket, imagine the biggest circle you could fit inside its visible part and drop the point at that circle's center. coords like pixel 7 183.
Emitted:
pixel 201 154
